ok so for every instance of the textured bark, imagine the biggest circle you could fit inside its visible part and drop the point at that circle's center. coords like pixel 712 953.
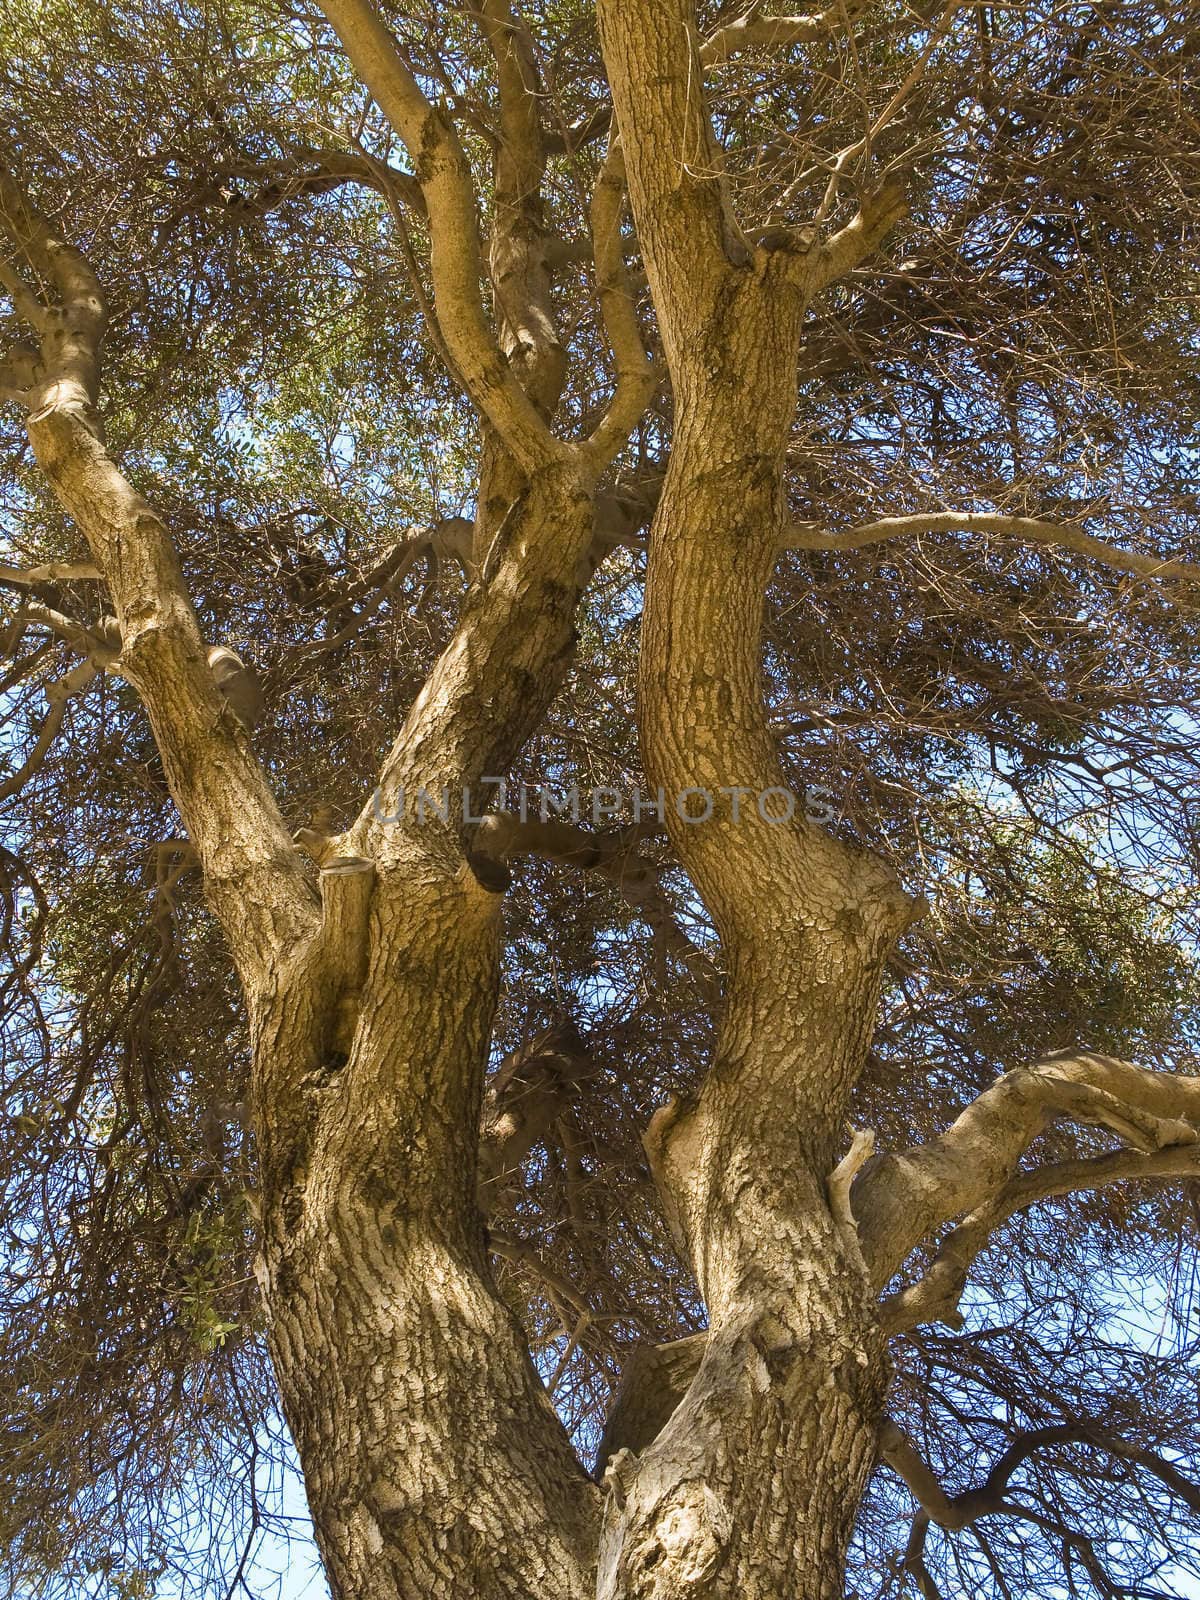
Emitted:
pixel 752 1486
pixel 433 1459
pixel 434 1462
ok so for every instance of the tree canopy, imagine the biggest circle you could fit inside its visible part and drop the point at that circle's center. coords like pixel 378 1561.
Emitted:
pixel 978 661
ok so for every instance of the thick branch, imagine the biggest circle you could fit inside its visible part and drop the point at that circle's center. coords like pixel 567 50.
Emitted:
pixel 686 226
pixel 901 1199
pixel 70 327
pixel 517 251
pixel 654 1379
pixel 489 688
pixel 443 172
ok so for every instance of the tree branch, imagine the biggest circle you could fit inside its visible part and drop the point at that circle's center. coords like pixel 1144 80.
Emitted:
pixel 877 215
pixel 611 856
pixel 442 170
pixel 689 234
pixel 517 250
pixel 252 873
pixel 841 1179
pixel 959 1511
pixel 754 32
pixel 901 1199
pixel 936 1295
pixel 58 695
pixel 637 374
pixel 524 1099
pixel 328 170
pixel 1033 530
pixel 101 646
pixel 50 572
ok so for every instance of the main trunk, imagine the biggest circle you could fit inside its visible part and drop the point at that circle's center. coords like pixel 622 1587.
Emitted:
pixel 433 1461
pixel 752 1488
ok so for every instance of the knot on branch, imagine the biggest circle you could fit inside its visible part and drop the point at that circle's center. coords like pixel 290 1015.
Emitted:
pixel 619 1475
pixel 789 241
pixel 673 1142
pixel 841 1181
pixel 238 683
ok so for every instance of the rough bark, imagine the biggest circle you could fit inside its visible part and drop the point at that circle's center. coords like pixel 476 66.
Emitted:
pixel 751 1487
pixel 434 1462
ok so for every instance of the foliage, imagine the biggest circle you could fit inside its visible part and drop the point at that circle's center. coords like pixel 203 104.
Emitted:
pixel 1012 725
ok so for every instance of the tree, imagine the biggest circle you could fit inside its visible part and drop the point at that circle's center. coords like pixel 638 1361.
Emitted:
pixel 831 380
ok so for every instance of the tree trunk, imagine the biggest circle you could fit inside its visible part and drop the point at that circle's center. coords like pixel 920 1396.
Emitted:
pixel 433 1460
pixel 752 1487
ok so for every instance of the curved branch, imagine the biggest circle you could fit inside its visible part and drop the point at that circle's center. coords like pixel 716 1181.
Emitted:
pixel 1033 530
pixel 936 1295
pixel 442 170
pixel 611 856
pixel 961 1510
pixel 252 872
pixel 328 170
pixel 903 1198
pixel 637 373
pixel 752 32
pixel 41 748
